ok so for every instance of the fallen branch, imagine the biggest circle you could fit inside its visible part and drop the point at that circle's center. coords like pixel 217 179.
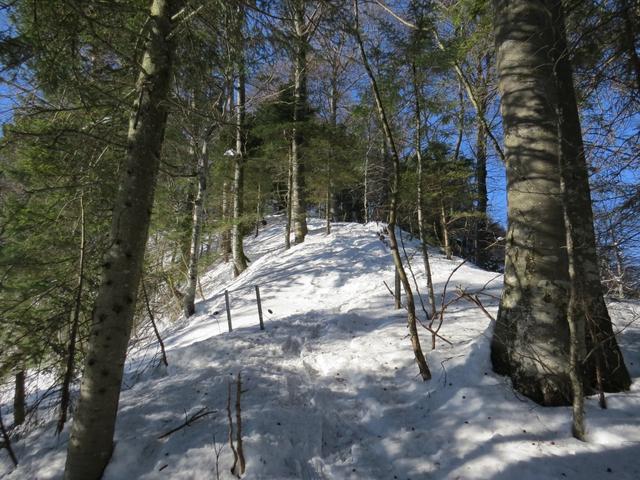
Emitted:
pixel 241 462
pixel 203 412
pixel 230 419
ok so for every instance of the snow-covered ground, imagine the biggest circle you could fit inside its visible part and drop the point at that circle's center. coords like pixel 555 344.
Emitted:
pixel 330 388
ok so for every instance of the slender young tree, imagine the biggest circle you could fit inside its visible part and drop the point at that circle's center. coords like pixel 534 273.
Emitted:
pixel 301 33
pixel 65 394
pixel 201 150
pixel 91 440
pixel 425 373
pixel 422 228
pixel 239 259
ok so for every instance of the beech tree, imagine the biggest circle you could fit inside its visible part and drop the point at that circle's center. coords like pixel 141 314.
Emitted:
pixel 532 336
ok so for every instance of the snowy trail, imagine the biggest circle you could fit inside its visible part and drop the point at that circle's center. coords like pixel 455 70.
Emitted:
pixel 331 389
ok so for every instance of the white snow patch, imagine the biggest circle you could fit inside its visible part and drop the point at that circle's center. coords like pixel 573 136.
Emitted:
pixel 331 390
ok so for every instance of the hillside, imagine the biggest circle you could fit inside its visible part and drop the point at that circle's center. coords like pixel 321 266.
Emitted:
pixel 330 388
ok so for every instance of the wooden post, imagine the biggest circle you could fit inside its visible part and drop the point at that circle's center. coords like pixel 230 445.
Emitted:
pixel 397 291
pixel 226 301
pixel 259 307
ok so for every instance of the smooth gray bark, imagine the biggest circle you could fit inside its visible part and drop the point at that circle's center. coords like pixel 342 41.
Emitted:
pixel 606 366
pixel 91 440
pixel 531 337
pixel 532 341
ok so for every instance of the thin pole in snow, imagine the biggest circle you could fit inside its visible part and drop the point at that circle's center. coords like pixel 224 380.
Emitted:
pixel 397 291
pixel 226 301
pixel 259 307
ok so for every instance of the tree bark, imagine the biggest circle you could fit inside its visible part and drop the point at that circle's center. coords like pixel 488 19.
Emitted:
pixel 91 440
pixel 333 107
pixel 298 201
pixel 545 154
pixel 421 220
pixel 481 233
pixel 531 337
pixel 19 402
pixel 629 40
pixel 225 237
pixel 423 368
pixel 615 376
pixel 287 229
pixel 202 172
pixel 239 259
pixel 75 321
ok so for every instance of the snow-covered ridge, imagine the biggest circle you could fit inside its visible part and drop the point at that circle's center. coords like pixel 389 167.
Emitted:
pixel 331 390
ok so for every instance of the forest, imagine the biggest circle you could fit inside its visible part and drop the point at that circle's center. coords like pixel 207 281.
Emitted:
pixel 163 163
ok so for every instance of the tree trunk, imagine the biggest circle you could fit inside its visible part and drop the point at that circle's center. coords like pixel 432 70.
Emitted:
pixel 531 337
pixel 444 228
pixel 365 196
pixel 196 228
pixel 626 12
pixel 75 321
pixel 239 259
pixel 481 233
pixel 333 107
pixel 258 211
pixel 542 129
pixel 421 221
pixel 225 237
pixel 19 403
pixel 298 201
pixel 423 368
pixel 287 230
pixel 620 268
pixel 91 440
pixel 615 376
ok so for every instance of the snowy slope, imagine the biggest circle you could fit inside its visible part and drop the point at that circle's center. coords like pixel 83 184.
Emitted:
pixel 331 390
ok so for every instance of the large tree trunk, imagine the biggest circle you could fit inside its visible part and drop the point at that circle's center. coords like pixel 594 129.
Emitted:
pixel 544 153
pixel 531 337
pixel 196 227
pixel 239 259
pixel 298 203
pixel 608 357
pixel 91 440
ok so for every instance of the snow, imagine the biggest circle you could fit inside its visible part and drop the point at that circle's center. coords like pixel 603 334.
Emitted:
pixel 331 390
